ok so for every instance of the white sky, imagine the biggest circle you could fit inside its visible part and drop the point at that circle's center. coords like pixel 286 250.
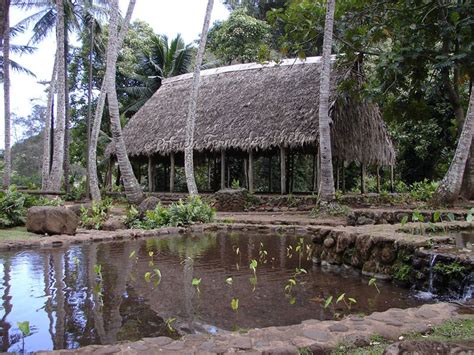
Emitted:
pixel 168 17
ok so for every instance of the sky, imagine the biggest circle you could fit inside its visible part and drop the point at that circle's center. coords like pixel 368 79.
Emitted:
pixel 168 17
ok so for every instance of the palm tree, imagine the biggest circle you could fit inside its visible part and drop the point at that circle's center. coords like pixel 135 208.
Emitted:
pixel 191 119
pixel 132 188
pixel 450 187
pixel 57 167
pixel 162 59
pixel 77 15
pixel 5 30
pixel 326 188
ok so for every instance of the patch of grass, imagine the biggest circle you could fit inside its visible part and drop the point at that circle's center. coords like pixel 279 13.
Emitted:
pixel 449 331
pixel 376 347
pixel 18 233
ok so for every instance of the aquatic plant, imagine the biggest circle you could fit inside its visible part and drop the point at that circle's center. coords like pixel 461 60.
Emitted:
pixel 196 282
pixel 373 282
pixel 234 304
pixel 25 330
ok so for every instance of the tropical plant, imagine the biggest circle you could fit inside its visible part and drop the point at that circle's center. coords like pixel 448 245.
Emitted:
pixel 95 217
pixel 191 118
pixel 161 59
pixel 12 208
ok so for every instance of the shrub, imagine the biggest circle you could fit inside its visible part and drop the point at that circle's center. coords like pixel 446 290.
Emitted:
pixel 194 210
pixel 423 190
pixel 95 217
pixel 12 208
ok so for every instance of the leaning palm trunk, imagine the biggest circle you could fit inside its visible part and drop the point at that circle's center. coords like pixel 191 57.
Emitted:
pixel 450 187
pixel 6 92
pixel 326 188
pixel 47 131
pixel 111 63
pixel 191 119
pixel 57 169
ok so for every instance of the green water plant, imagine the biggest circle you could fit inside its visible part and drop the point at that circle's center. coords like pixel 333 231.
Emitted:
pixel 373 282
pixel 196 283
pixel 25 330
pixel 234 304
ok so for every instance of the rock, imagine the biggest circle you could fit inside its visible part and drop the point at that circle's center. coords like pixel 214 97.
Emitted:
pixel 114 223
pixel 329 242
pixel 387 255
pixel 51 220
pixel 231 200
pixel 363 220
pixel 148 204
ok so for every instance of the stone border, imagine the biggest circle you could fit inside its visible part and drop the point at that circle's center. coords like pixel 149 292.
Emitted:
pixel 315 336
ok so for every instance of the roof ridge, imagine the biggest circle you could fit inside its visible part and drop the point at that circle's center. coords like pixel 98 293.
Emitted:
pixel 247 66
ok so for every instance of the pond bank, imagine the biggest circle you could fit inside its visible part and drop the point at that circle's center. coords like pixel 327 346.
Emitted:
pixel 317 337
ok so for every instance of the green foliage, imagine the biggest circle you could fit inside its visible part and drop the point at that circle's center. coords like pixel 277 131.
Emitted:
pixel 24 328
pixel 423 190
pixel 451 269
pixel 332 209
pixel 241 38
pixel 235 184
pixel 194 210
pixel 12 208
pixel 234 304
pixel 95 217
pixel 402 272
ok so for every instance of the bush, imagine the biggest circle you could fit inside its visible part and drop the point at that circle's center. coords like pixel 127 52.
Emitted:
pixel 12 208
pixel 423 190
pixel 95 217
pixel 194 210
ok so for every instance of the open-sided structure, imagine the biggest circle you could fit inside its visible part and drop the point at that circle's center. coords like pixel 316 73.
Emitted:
pixel 254 109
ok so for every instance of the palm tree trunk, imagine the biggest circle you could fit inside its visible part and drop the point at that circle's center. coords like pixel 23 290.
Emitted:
pixel 66 115
pixel 89 108
pixel 326 188
pixel 133 190
pixel 112 60
pixel 47 130
pixel 450 187
pixel 57 169
pixel 191 119
pixel 6 92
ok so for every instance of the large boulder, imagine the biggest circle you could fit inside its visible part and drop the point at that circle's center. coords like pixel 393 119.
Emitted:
pixel 231 200
pixel 148 204
pixel 51 220
pixel 114 223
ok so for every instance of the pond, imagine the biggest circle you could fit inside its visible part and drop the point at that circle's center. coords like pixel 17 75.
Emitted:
pixel 107 292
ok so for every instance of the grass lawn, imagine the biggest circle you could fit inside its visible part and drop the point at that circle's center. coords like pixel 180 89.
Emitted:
pixel 17 233
pixel 449 331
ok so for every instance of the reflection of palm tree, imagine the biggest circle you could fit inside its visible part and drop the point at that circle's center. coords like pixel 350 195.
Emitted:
pixel 59 286
pixel 188 272
pixel 6 304
pixel 162 59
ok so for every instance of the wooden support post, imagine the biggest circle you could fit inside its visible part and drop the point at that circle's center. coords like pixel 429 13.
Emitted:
pixel 313 177
pixel 245 182
pixel 209 174
pixel 392 179
pixel 250 172
pixel 362 178
pixel 270 170
pixel 378 179
pixel 151 174
pixel 283 170
pixel 172 171
pixel 343 177
pixel 318 171
pixel 337 176
pixel 222 169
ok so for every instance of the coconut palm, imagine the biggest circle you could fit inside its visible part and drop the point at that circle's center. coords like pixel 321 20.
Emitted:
pixel 326 188
pixel 5 30
pixel 191 119
pixel 132 188
pixel 162 59
pixel 450 187
pixel 77 15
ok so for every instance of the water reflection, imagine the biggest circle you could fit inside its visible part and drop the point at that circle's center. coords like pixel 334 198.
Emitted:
pixel 69 305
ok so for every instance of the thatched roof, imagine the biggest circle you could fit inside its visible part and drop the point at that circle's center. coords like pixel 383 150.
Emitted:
pixel 254 106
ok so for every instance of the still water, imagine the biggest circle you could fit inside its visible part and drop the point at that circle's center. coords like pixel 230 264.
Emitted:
pixel 107 292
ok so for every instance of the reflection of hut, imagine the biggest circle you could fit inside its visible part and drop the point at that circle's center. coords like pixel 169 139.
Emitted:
pixel 252 111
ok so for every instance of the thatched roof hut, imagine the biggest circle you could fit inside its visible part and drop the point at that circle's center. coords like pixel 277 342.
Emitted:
pixel 258 107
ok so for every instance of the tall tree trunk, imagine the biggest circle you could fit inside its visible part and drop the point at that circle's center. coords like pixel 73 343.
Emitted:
pixel 326 188
pixel 450 187
pixel 133 190
pixel 6 92
pixel 89 108
pixel 66 164
pixel 47 130
pixel 57 169
pixel 93 177
pixel 191 119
